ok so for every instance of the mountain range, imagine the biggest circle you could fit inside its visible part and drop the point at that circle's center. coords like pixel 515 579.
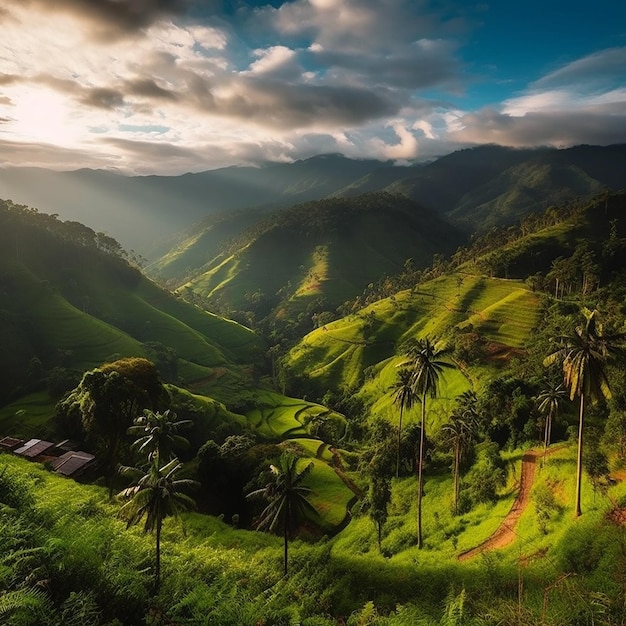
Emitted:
pixel 476 188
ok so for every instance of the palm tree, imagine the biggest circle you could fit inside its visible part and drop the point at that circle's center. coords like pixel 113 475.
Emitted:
pixel 155 496
pixel 584 355
pixel 405 398
pixel 427 368
pixel 548 403
pixel 459 433
pixel 158 434
pixel 288 499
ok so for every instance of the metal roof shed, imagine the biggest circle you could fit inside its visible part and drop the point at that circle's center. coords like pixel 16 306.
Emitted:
pixel 72 463
pixel 33 448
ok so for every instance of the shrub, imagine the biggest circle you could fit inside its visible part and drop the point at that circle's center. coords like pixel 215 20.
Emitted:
pixel 545 506
pixel 486 476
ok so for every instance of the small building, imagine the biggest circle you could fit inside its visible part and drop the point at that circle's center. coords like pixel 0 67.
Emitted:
pixel 7 444
pixel 34 448
pixel 72 463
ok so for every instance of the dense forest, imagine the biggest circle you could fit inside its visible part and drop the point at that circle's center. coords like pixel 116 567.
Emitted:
pixel 441 441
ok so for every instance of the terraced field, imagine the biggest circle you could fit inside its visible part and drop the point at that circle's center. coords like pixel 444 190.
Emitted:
pixel 279 417
pixel 363 350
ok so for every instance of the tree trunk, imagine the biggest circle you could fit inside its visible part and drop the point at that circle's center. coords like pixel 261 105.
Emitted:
pixel 579 460
pixel 546 439
pixel 286 538
pixel 420 463
pixel 457 464
pixel 157 568
pixel 112 461
pixel 399 443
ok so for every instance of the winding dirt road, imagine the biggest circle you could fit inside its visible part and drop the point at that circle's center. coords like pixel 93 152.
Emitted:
pixel 505 533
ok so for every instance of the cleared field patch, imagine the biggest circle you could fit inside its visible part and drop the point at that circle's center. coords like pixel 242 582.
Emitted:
pixel 316 275
pixel 510 319
pixel 363 349
pixel 313 447
pixel 280 417
pixel 330 496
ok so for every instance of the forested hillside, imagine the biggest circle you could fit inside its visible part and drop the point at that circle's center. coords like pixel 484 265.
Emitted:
pixel 70 302
pixel 308 259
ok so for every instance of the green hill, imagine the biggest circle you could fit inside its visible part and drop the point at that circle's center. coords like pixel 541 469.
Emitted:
pixel 362 351
pixel 314 256
pixel 67 301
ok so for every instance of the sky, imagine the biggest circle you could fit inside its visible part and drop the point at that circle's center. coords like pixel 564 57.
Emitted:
pixel 174 86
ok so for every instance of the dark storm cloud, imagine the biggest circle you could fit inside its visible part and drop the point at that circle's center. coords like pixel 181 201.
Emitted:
pixel 418 66
pixel 148 88
pixel 102 98
pixel 112 15
pixel 286 106
pixel 599 125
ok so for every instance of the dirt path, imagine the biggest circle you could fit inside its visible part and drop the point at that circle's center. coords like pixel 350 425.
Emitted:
pixel 505 533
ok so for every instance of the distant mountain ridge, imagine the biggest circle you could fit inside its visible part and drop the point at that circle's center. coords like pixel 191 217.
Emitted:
pixel 139 211
pixel 475 188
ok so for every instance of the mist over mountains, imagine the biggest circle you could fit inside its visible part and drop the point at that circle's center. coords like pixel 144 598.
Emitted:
pixel 474 188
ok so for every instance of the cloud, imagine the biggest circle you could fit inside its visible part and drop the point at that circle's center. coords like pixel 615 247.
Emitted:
pixel 581 102
pixel 405 149
pixel 395 43
pixel 148 88
pixel 419 65
pixel 277 61
pixel 8 79
pixel 594 71
pixel 598 125
pixel 275 104
pixel 361 25
pixel 109 16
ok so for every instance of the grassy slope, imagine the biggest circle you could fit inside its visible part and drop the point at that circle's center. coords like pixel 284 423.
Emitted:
pixel 339 354
pixel 238 568
pixel 70 305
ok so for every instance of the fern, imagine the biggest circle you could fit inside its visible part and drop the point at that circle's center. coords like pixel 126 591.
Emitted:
pixel 25 607
pixel 454 610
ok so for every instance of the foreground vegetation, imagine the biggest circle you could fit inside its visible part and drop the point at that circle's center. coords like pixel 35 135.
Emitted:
pixel 67 559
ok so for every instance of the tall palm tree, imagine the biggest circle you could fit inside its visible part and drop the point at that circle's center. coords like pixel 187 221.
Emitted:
pixel 287 498
pixel 459 433
pixel 158 434
pixel 405 398
pixel 427 367
pixel 548 403
pixel 584 355
pixel 155 495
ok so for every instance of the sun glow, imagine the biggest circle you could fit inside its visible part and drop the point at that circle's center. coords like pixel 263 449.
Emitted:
pixel 43 115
